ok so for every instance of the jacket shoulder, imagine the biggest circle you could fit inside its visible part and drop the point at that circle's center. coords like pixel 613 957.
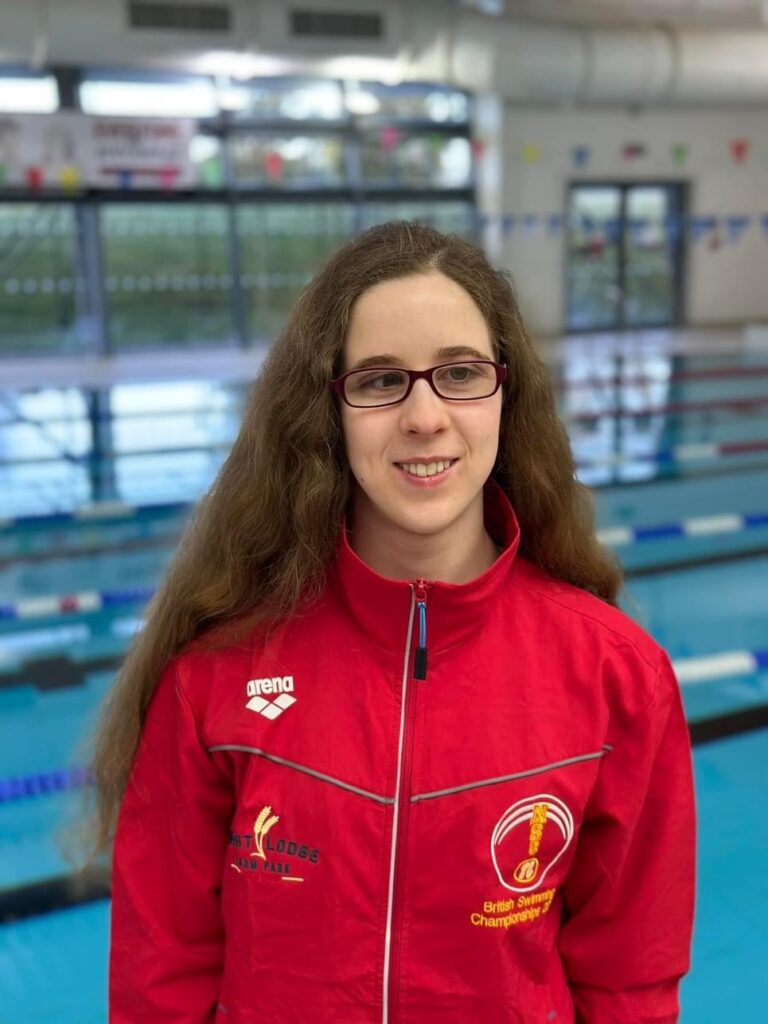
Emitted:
pixel 574 605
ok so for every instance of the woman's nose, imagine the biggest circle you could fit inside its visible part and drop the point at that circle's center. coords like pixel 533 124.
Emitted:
pixel 423 409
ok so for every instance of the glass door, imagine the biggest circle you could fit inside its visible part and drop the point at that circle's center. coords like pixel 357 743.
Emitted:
pixel 624 256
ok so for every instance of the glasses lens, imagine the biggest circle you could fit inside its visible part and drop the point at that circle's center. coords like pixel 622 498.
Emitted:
pixel 465 380
pixel 375 387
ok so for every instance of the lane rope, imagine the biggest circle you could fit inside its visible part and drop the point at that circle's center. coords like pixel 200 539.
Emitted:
pixel 696 526
pixel 84 602
pixel 689 671
pixel 679 453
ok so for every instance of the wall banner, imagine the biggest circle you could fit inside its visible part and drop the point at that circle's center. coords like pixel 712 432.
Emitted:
pixel 70 150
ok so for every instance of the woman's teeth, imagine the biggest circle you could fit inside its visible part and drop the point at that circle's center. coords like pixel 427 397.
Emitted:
pixel 425 469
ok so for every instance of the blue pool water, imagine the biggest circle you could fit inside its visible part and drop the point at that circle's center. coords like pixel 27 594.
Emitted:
pixel 53 965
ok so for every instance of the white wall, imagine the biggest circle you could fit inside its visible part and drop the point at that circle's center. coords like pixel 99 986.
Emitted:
pixel 727 285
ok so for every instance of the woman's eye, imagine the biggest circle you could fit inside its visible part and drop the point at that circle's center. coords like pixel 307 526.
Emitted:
pixel 460 374
pixel 382 381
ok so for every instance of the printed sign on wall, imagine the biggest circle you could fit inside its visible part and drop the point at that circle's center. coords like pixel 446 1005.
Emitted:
pixel 139 153
pixel 67 150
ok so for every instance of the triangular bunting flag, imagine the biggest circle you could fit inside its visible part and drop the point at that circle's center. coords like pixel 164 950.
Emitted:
pixel 679 153
pixel 736 226
pixel 389 137
pixel 739 150
pixel 211 173
pixel 637 227
pixel 34 178
pixel 633 151
pixel 273 165
pixel 70 177
pixel 580 156
pixel 673 224
pixel 613 229
pixel 168 176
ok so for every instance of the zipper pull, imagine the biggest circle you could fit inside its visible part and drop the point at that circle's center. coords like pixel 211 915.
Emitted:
pixel 420 660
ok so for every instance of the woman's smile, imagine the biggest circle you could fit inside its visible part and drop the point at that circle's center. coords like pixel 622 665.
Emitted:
pixel 429 474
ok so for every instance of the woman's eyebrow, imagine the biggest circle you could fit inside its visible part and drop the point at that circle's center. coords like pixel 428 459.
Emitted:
pixel 442 353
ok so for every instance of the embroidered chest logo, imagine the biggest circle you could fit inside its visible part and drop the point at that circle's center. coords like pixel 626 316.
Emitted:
pixel 270 854
pixel 280 685
pixel 529 839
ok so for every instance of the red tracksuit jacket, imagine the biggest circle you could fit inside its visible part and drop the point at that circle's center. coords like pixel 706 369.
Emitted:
pixel 415 803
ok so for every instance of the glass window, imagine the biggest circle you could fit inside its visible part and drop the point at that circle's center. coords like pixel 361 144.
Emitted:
pixel 650 257
pixel 170 439
pixel 392 158
pixel 593 248
pixel 28 94
pixel 137 97
pixel 295 99
pixel 282 245
pixel 44 436
pixel 624 256
pixel 408 102
pixel 42 295
pixel 167 275
pixel 206 153
pixel 456 218
pixel 305 161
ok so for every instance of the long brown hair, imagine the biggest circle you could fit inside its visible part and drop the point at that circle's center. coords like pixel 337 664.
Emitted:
pixel 260 542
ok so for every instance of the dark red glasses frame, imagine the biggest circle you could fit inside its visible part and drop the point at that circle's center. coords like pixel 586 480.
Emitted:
pixel 337 385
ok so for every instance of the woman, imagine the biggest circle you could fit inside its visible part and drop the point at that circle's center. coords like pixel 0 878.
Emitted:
pixel 406 762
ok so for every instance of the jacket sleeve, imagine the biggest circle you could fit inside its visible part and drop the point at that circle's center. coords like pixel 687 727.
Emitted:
pixel 628 899
pixel 167 936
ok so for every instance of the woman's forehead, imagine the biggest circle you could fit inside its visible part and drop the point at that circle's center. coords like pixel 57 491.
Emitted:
pixel 415 317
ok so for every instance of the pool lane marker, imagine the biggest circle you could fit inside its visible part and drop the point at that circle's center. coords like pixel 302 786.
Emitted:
pixel 679 453
pixel 697 526
pixel 689 671
pixel 86 601
pixel 82 602
pixel 711 667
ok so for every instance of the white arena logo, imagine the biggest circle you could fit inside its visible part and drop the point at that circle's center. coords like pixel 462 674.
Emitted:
pixel 281 685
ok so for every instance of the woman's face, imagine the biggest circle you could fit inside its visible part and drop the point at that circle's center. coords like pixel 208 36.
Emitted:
pixel 412 322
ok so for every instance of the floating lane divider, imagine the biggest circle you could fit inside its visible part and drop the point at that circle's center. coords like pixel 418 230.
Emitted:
pixel 689 671
pixel 627 378
pixel 711 667
pixel 26 787
pixel 69 604
pixel 117 510
pixel 611 536
pixel 93 513
pixel 673 409
pixel 681 453
pixel 698 526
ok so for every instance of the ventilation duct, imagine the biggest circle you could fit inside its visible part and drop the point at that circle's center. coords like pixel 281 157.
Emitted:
pixel 432 40
pixel 179 17
pixel 337 25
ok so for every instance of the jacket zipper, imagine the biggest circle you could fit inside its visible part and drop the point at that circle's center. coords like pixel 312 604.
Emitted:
pixel 390 1012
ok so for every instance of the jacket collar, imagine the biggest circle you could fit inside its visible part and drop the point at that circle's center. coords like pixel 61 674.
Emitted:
pixel 381 606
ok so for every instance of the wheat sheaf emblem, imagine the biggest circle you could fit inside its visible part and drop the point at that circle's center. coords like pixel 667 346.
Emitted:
pixel 261 826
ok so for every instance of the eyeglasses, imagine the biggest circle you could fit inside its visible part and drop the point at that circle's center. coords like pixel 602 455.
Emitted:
pixel 388 385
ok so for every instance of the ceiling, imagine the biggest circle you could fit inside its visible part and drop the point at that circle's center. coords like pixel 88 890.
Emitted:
pixel 691 14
